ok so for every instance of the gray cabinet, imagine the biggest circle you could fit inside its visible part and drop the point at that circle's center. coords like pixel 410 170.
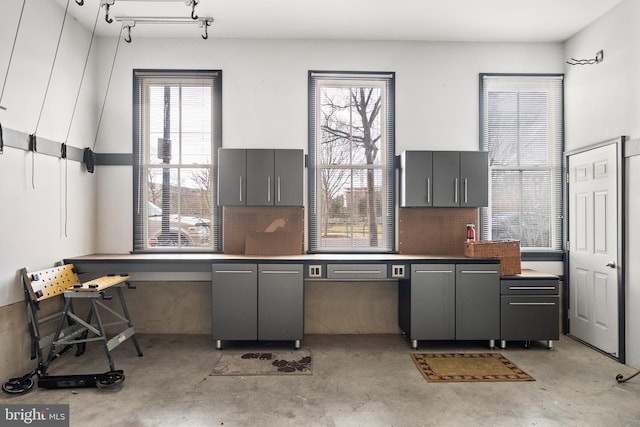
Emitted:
pixel 427 303
pixel 530 309
pixel 260 177
pixel 232 177
pixel 417 178
pixel 478 302
pixel 444 179
pixel 257 302
pixel 280 302
pixel 450 302
pixel 234 310
pixel 474 179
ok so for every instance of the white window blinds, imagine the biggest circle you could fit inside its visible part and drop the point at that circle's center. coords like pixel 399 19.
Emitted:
pixel 521 121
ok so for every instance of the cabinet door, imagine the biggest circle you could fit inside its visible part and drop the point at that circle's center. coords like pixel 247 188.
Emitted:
pixel 260 177
pixel 474 179
pixel 477 301
pixel 432 302
pixel 417 182
pixel 532 317
pixel 446 178
pixel 280 302
pixel 234 311
pixel 232 180
pixel 289 174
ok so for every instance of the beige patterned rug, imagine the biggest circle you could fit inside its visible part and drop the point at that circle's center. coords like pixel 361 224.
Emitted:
pixel 264 363
pixel 471 367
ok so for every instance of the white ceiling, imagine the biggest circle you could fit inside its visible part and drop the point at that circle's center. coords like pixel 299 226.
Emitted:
pixel 432 20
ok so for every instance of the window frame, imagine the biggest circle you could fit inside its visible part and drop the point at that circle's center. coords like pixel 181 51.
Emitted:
pixel 385 80
pixel 140 182
pixel 529 254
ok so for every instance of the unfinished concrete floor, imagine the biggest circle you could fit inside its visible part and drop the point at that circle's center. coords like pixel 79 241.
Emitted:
pixel 358 380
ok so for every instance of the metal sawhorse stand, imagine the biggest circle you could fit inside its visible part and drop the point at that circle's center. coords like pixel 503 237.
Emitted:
pixel 70 329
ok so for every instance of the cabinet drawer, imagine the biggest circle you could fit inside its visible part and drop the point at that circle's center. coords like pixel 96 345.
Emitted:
pixel 530 317
pixel 529 287
pixel 357 271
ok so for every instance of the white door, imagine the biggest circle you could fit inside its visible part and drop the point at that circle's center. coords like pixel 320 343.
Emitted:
pixel 593 248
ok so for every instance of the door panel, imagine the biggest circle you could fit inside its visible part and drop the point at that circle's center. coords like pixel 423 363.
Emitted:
pixel 593 246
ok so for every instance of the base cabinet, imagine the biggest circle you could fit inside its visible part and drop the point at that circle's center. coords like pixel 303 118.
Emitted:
pixel 257 302
pixel 450 302
pixel 530 310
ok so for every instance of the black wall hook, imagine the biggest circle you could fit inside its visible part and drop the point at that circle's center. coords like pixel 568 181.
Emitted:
pixel 194 3
pixel 127 38
pixel 106 16
pixel 206 31
pixel 80 3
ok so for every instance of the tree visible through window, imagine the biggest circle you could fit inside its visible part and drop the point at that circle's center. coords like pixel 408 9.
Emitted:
pixel 174 160
pixel 521 120
pixel 351 171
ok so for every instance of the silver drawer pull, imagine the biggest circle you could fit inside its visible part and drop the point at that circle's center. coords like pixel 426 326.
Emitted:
pixel 234 271
pixel 279 272
pixel 531 288
pixel 357 272
pixel 532 303
pixel 478 272
pixel 434 271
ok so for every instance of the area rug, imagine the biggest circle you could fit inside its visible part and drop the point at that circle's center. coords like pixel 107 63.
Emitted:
pixel 470 367
pixel 264 363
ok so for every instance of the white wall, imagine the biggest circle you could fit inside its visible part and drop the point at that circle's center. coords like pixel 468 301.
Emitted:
pixel 602 103
pixel 38 226
pixel 265 96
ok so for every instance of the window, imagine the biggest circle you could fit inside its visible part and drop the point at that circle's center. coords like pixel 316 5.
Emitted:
pixel 177 119
pixel 351 168
pixel 521 120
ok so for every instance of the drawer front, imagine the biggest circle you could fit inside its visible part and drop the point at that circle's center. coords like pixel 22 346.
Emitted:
pixel 529 287
pixel 357 271
pixel 530 317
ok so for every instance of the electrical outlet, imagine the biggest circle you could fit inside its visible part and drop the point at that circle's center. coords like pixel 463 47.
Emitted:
pixel 397 271
pixel 315 271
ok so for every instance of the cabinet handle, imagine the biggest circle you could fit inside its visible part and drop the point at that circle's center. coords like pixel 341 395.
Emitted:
pixel 240 188
pixel 434 271
pixel 279 272
pixel 465 190
pixel 428 189
pixel 279 189
pixel 455 191
pixel 532 288
pixel 478 272
pixel 234 271
pixel 268 188
pixel 357 271
pixel 532 303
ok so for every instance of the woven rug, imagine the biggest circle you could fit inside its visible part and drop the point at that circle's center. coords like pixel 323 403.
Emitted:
pixel 470 367
pixel 264 363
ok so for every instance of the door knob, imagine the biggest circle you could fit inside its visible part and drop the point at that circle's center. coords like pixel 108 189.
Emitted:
pixel 611 264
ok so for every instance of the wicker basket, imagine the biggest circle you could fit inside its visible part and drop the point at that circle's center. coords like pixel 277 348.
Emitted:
pixel 507 250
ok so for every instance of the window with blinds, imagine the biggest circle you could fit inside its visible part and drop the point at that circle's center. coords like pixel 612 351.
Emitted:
pixel 177 130
pixel 351 162
pixel 521 126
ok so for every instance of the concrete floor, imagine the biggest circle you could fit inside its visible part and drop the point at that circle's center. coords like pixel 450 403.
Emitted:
pixel 358 380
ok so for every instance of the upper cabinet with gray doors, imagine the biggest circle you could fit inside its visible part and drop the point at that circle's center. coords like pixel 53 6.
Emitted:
pixel 260 177
pixel 444 179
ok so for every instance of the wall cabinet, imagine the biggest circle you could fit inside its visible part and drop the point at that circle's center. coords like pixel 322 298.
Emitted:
pixel 257 302
pixel 260 177
pixel 530 309
pixel 444 179
pixel 450 302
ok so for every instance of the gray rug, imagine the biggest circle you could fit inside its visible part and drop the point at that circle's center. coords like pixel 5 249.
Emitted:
pixel 264 363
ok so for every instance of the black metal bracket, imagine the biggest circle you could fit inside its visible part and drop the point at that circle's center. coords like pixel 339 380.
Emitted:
pixel 33 143
pixel 1 140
